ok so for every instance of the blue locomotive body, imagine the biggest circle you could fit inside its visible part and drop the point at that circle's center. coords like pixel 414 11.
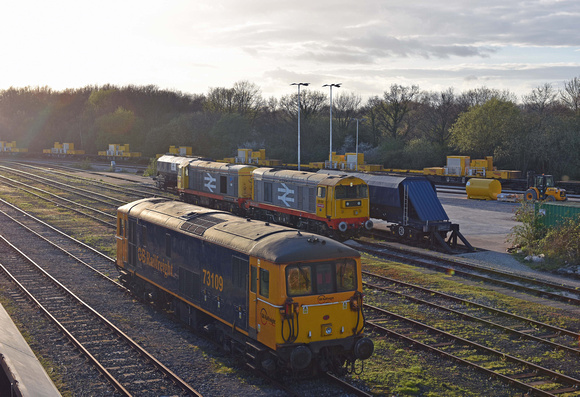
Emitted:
pixel 211 276
pixel 288 300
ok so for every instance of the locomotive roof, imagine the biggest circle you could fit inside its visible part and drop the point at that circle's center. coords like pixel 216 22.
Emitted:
pixel 171 158
pixel 215 165
pixel 274 174
pixel 274 243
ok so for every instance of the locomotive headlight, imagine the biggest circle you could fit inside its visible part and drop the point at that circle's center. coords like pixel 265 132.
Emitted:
pixel 326 329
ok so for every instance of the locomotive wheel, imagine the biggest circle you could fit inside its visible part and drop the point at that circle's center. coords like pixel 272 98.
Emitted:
pixel 531 195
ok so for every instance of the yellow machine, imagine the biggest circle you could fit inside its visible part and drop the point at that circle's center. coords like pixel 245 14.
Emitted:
pixel 544 189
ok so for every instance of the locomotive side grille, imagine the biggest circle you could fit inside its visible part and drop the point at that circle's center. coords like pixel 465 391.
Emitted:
pixel 199 225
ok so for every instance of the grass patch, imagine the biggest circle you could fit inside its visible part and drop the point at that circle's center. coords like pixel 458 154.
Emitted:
pixel 479 293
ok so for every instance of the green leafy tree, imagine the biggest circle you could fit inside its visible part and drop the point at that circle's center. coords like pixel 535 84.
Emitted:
pixel 488 129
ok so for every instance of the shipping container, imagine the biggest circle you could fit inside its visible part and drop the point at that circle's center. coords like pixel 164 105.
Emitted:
pixel 555 213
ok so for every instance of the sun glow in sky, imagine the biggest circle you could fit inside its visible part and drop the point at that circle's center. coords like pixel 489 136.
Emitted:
pixel 191 46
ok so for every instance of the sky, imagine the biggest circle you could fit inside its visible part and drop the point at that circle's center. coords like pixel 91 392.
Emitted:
pixel 367 45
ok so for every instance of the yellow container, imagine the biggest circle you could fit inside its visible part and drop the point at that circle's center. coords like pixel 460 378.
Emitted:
pixel 482 189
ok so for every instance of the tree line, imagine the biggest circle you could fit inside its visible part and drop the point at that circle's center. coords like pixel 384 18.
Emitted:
pixel 405 127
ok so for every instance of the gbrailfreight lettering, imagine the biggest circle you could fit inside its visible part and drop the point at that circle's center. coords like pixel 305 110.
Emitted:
pixel 146 258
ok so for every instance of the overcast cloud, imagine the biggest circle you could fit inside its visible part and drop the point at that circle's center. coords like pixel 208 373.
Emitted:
pixel 194 45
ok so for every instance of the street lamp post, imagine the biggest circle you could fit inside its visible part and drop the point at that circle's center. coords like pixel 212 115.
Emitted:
pixel 337 86
pixel 357 121
pixel 299 84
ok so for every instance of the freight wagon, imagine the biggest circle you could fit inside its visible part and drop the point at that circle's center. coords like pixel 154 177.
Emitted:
pixel 411 206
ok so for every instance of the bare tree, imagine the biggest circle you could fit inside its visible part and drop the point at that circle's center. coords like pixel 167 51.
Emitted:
pixel 220 99
pixel 541 99
pixel 571 94
pixel 479 96
pixel 396 109
pixel 346 106
pixel 247 98
pixel 311 104
pixel 441 111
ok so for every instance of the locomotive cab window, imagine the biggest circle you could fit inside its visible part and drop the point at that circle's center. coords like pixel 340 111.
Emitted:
pixel 120 228
pixel 351 192
pixel 321 278
pixel 253 279
pixel 144 235
pixel 265 283
pixel 321 192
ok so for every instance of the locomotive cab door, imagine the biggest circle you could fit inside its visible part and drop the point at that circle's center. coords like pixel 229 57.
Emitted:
pixel 121 237
pixel 321 203
pixel 183 176
pixel 253 300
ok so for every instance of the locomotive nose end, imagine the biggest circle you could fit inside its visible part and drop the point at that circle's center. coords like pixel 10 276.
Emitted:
pixel 369 224
pixel 300 358
pixel 364 348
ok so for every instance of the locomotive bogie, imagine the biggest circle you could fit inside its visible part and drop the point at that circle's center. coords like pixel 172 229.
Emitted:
pixel 262 289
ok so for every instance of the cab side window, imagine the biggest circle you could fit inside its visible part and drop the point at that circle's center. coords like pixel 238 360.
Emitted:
pixel 253 279
pixel 321 192
pixel 265 283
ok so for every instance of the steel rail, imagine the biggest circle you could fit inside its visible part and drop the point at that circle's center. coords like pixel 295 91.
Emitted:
pixel 481 320
pixel 110 186
pixel 64 186
pixel 15 184
pixel 428 261
pixel 68 335
pixel 78 242
pixel 552 328
pixel 573 382
pixel 184 385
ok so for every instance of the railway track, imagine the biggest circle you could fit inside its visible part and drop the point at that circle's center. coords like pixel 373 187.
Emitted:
pixel 529 377
pixel 458 272
pixel 64 187
pixel 503 332
pixel 49 260
pixel 509 323
pixel 99 266
pixel 79 251
pixel 94 213
pixel 129 368
pixel 458 267
pixel 53 169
